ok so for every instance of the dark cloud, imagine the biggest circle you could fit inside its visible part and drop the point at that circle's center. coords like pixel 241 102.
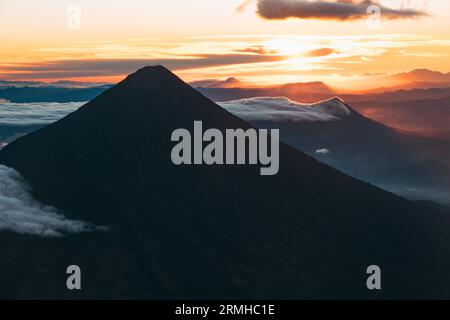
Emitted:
pixel 328 10
pixel 117 67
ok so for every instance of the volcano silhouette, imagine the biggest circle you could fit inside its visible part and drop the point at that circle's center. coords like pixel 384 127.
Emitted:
pixel 207 231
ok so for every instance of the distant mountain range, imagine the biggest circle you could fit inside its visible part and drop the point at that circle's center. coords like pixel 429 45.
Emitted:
pixel 307 91
pixel 414 101
pixel 423 78
pixel 409 165
pixel 54 84
pixel 59 91
pixel 207 231
pixel 417 80
pixel 232 88
pixel 214 83
pixel 414 79
pixel 421 111
pixel 51 94
pixel 400 95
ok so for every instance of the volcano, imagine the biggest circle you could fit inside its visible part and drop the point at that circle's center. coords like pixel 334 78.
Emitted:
pixel 206 232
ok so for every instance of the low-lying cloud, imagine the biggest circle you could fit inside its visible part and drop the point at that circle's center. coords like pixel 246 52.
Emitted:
pixel 329 10
pixel 39 113
pixel 19 212
pixel 18 119
pixel 281 109
pixel 257 50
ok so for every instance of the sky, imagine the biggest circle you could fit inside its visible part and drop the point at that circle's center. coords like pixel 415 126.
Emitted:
pixel 260 42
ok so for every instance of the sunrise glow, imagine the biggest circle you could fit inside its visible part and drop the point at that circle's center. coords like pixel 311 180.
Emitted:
pixel 236 43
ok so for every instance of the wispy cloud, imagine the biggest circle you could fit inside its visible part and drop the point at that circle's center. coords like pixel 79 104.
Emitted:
pixel 243 5
pixel 60 69
pixel 32 114
pixel 320 52
pixel 337 60
pixel 256 50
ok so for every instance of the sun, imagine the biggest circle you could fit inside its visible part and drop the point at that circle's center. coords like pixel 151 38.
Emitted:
pixel 287 47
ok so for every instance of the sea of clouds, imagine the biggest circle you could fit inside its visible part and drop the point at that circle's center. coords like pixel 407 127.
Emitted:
pixel 40 113
pixel 17 119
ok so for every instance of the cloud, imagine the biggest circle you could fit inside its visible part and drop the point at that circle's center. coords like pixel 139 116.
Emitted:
pixel 31 114
pixel 215 83
pixel 116 67
pixel 323 151
pixel 329 10
pixel 19 212
pixel 18 119
pixel 322 52
pixel 256 50
pixel 281 109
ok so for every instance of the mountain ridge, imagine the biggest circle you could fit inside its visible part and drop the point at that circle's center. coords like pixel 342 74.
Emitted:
pixel 353 143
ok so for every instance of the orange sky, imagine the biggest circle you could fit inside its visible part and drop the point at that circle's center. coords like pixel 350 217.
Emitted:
pixel 104 40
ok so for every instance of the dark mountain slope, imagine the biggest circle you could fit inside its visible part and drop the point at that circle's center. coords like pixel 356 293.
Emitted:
pixel 207 232
pixel 413 166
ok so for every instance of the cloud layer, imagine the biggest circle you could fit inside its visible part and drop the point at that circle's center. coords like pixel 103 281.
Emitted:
pixel 328 10
pixel 39 113
pixel 19 212
pixel 280 109
pixel 18 119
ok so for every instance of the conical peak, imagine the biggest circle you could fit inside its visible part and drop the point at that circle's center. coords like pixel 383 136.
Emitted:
pixel 156 70
pixel 152 77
